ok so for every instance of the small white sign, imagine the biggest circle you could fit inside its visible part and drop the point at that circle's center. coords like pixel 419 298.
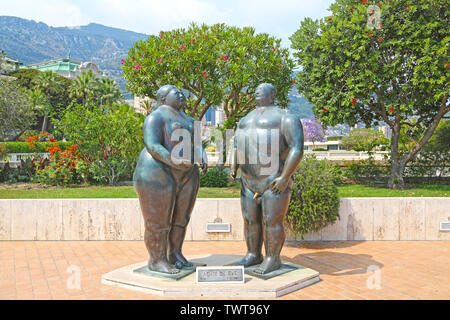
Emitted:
pixel 225 274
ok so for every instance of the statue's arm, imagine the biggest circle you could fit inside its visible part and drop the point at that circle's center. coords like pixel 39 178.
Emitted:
pixel 233 160
pixel 153 137
pixel 292 130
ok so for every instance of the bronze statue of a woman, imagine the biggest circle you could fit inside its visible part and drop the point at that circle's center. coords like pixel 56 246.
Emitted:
pixel 167 189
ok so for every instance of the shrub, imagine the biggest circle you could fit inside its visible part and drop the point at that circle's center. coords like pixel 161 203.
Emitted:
pixel 314 200
pixel 320 149
pixel 215 178
pixel 27 134
pixel 109 138
pixel 364 140
pixel 366 170
pixel 23 173
pixel 60 168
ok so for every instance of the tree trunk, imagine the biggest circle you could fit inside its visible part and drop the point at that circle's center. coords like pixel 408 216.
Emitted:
pixel 397 163
pixel 44 124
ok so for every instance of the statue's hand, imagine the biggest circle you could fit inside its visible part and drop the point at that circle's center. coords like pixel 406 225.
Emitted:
pixel 279 185
pixel 233 175
pixel 204 168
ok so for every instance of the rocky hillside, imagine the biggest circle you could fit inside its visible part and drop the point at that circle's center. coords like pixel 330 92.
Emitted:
pixel 31 42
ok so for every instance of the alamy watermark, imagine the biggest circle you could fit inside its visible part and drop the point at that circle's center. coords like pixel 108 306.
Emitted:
pixel 254 147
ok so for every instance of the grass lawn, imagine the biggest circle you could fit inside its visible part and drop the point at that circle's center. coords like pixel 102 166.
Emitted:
pixel 345 191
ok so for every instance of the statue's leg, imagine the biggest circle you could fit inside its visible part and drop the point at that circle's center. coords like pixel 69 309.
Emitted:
pixel 184 204
pixel 251 212
pixel 157 205
pixel 274 208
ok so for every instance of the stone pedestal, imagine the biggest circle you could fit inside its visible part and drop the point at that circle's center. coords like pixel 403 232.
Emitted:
pixel 187 287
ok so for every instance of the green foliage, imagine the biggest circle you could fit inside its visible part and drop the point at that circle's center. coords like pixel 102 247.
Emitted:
pixel 336 138
pixel 27 134
pixel 16 110
pixel 314 201
pixel 23 173
pixel 364 140
pixel 87 88
pixel 366 171
pixel 353 72
pixel 213 65
pixel 2 150
pixel 25 77
pixel 24 147
pixel 440 141
pixel 109 139
pixel 215 178
pixel 320 149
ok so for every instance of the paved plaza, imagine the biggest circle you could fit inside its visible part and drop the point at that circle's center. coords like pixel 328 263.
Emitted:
pixel 348 270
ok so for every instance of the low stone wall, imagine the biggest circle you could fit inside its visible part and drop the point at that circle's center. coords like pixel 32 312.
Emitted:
pixel 120 219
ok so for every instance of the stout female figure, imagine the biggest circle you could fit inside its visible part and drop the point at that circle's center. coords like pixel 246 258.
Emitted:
pixel 167 189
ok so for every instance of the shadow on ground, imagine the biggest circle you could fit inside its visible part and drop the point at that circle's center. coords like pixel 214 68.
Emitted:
pixel 334 263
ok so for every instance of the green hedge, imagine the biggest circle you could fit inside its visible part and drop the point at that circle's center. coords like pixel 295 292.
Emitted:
pixel 23 147
pixel 215 178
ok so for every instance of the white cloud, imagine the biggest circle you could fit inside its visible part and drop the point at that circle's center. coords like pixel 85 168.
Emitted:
pixel 52 12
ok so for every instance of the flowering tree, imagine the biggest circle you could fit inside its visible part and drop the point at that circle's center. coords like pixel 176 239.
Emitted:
pixel 313 130
pixel 374 61
pixel 213 65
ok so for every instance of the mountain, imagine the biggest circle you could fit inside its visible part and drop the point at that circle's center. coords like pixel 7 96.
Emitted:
pixel 31 42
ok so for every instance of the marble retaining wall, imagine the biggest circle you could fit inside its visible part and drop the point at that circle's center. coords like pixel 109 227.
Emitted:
pixel 120 219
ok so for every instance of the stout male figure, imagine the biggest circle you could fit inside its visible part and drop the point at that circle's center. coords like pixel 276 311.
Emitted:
pixel 266 191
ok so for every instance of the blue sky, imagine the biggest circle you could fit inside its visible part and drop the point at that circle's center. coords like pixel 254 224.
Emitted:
pixel 280 18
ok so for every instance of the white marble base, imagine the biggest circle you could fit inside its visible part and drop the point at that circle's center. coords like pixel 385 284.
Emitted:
pixel 188 288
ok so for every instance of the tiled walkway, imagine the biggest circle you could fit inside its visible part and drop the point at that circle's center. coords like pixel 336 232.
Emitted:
pixel 406 270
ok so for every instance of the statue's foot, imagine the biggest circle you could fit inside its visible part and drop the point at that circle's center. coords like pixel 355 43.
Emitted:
pixel 251 259
pixel 268 265
pixel 163 266
pixel 179 260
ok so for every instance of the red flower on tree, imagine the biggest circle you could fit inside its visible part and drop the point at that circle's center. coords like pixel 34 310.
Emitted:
pixel 391 109
pixel 354 100
pixel 325 110
pixel 380 40
pixel 363 1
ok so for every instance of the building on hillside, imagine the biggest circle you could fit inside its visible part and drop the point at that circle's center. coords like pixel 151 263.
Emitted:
pixel 66 67
pixel 10 64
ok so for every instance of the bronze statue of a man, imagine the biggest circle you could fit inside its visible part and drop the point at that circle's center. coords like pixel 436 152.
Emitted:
pixel 268 132
pixel 167 188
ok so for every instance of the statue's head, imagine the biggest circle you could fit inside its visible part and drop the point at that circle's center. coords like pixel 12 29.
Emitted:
pixel 171 96
pixel 265 94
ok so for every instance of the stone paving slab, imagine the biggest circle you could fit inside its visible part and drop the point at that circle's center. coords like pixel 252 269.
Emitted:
pixel 253 287
pixel 362 270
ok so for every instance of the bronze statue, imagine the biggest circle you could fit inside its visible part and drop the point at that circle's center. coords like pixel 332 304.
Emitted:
pixel 167 188
pixel 266 188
